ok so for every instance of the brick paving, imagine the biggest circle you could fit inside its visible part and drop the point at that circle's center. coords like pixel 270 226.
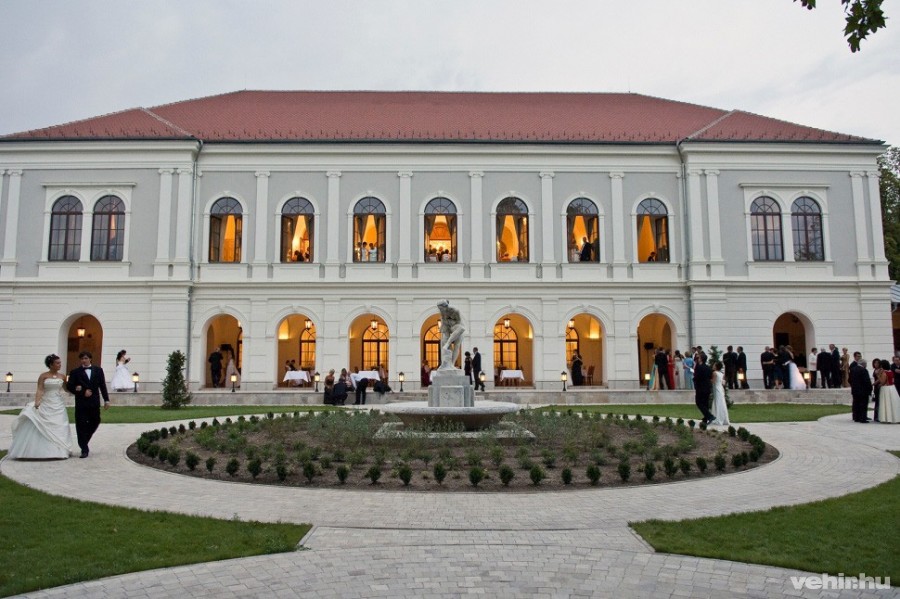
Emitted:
pixel 411 544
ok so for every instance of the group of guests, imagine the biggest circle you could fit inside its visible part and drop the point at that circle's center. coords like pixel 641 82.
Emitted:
pixel 299 256
pixel 439 255
pixel 675 370
pixel 471 368
pixel 577 369
pixel 338 387
pixel 366 253
pixel 216 359
pixel 883 387
pixel 829 366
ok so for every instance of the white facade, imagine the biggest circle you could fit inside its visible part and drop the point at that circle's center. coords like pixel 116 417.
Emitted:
pixel 165 293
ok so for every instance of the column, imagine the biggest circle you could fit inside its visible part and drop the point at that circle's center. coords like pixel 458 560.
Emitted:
pixel 877 228
pixel 547 257
pixel 619 229
pixel 164 227
pixel 476 225
pixel 404 221
pixel 333 220
pixel 698 252
pixel 622 347
pixel 8 270
pixel 714 223
pixel 863 258
pixel 261 241
pixel 184 203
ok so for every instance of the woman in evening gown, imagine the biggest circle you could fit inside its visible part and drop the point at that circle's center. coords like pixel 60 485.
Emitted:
pixel 719 407
pixel 42 429
pixel 122 377
pixel 888 409
pixel 797 381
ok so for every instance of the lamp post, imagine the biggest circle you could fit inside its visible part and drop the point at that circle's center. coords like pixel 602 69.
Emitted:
pixel 806 378
pixel 402 378
pixel 233 381
pixel 564 376
pixel 647 378
pixel 481 378
pixel 136 378
pixel 317 378
pixel 740 378
pixel 9 378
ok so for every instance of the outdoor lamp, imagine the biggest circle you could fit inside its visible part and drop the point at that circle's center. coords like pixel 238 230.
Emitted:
pixel 9 378
pixel 481 378
pixel 806 377
pixel 505 323
pixel 402 378
pixel 571 323
pixel 136 378
pixel 308 324
pixel 647 376
pixel 741 376
pixel 80 332
pixel 373 325
pixel 233 381
pixel 564 376
pixel 317 377
pixel 439 323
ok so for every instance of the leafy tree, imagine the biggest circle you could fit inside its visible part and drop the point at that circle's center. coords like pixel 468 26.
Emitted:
pixel 889 171
pixel 863 17
pixel 175 393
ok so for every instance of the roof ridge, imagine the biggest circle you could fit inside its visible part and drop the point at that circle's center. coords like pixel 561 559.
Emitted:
pixel 167 122
pixel 707 127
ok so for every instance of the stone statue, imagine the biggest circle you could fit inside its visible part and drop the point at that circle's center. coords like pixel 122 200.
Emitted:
pixel 451 335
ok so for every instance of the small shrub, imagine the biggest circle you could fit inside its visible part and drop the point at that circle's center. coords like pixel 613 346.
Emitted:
pixel 656 419
pixel 743 434
pixel 215 422
pixel 164 433
pixel 163 454
pixel 342 472
pixel 192 425
pixel 720 462
pixel 232 466
pixel 737 461
pixel 680 422
pixel 254 419
pixel 210 464
pixel 649 470
pixel 309 471
pixel 701 464
pixel 692 424
pixel 537 475
pixel 732 432
pixel 476 475
pixel 703 425
pixel 549 459
pixel 325 462
pixel 181 428
pixel 374 473
pixel 497 455
pixel 754 455
pixel 506 474
pixel 745 458
pixel 440 472
pixel 143 443
pixel 254 467
pixel 526 463
pixel 174 457
pixel 593 474
pixel 684 466
pixel 670 468
pixel 624 471
pixel 566 475
pixel 405 473
pixel 473 458
pixel 191 460
pixel 173 431
pixel 282 472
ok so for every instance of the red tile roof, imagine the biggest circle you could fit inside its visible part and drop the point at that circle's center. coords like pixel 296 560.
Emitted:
pixel 316 116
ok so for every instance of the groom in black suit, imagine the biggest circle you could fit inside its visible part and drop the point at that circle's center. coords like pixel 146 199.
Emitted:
pixel 88 383
pixel 703 389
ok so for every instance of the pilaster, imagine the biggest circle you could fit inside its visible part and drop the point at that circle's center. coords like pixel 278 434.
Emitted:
pixel 8 264
pixel 548 260
pixel 717 264
pixel 184 204
pixel 476 225
pixel 877 229
pixel 407 238
pixel 695 228
pixel 619 263
pixel 333 218
pixel 164 229
pixel 260 260
pixel 863 257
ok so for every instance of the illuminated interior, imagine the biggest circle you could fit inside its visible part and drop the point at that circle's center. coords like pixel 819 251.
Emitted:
pixel 512 238
pixel 438 237
pixel 653 238
pixel 297 238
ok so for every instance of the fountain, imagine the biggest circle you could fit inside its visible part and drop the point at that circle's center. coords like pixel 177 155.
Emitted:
pixel 451 397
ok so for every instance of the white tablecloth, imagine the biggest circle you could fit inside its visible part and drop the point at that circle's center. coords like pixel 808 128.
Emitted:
pixel 296 375
pixel 372 375
pixel 512 374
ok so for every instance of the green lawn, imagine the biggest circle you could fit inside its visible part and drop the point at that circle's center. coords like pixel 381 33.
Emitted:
pixel 139 414
pixel 739 413
pixel 851 534
pixel 49 541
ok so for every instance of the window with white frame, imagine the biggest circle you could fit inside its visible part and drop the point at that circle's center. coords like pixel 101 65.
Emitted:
pixel 765 229
pixel 582 225
pixel 440 231
pixel 806 226
pixel 108 230
pixel 512 230
pixel 369 230
pixel 225 230
pixel 297 229
pixel 652 231
pixel 65 230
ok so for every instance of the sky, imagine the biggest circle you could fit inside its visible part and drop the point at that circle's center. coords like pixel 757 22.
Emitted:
pixel 63 61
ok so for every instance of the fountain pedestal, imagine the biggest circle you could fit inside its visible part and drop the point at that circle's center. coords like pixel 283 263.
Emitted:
pixel 450 388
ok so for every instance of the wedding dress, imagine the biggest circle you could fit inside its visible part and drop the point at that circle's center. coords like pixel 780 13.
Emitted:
pixel 888 404
pixel 719 408
pixel 122 378
pixel 44 432
pixel 797 381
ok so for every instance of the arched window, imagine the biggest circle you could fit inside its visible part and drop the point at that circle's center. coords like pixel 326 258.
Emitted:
pixel 297 230
pixel 375 348
pixel 806 223
pixel 506 348
pixel 440 231
pixel 765 229
pixel 571 344
pixel 108 231
pixel 307 349
pixel 369 223
pixel 225 229
pixel 652 231
pixel 583 225
pixel 431 346
pixel 512 230
pixel 65 229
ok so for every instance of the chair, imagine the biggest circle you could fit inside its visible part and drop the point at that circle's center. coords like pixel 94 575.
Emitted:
pixel 589 378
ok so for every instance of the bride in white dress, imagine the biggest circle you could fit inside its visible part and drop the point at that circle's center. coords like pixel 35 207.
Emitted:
pixel 719 408
pixel 42 429
pixel 794 375
pixel 122 377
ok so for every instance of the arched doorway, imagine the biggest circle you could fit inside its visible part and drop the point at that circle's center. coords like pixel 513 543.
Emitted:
pixel 431 342
pixel 224 332
pixel 369 343
pixel 513 348
pixel 584 334
pixel 790 329
pixel 654 331
pixel 296 346
pixel 84 334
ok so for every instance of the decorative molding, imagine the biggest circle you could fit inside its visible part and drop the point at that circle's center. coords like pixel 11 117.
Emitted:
pixel 333 174
pixel 185 171
pixel 617 175
pixel 404 174
pixel 261 174
pixel 476 174
pixel 547 174
pixel 769 185
pixel 82 185
pixel 711 172
pixel 856 174
pixel 166 171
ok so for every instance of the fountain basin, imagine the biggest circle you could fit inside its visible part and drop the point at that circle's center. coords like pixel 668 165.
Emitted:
pixel 483 414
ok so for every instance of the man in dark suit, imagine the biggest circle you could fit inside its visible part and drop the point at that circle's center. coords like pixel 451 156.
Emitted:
pixel 823 364
pixel 586 250
pixel 476 369
pixel 361 386
pixel 742 366
pixel 662 368
pixel 88 383
pixel 215 366
pixel 781 362
pixel 729 360
pixel 837 378
pixel 703 389
pixel 767 361
pixel 860 388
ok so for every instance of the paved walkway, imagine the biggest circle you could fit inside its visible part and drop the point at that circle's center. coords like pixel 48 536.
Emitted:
pixel 398 544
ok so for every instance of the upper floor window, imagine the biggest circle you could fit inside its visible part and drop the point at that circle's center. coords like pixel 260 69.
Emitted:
pixel 297 229
pixel 65 229
pixel 440 231
pixel 652 231
pixel 225 229
pixel 806 224
pixel 583 225
pixel 108 230
pixel 512 230
pixel 369 224
pixel 765 229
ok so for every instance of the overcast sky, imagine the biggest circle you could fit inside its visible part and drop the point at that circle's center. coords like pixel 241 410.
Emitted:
pixel 64 60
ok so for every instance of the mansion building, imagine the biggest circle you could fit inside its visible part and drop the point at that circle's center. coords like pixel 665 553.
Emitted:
pixel 324 227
